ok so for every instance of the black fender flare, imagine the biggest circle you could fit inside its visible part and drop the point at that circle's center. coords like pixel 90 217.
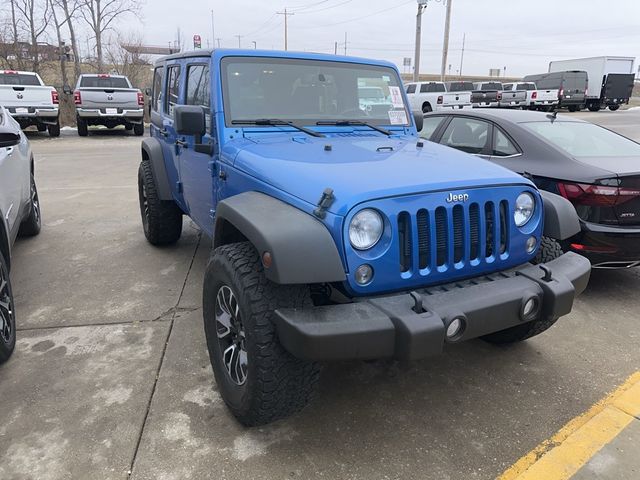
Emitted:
pixel 152 150
pixel 301 247
pixel 560 218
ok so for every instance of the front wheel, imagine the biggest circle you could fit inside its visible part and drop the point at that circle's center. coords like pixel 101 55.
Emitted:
pixel 549 250
pixel 138 129
pixel 7 314
pixel 31 225
pixel 257 378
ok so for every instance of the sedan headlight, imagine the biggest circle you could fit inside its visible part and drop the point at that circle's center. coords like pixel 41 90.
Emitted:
pixel 365 229
pixel 525 206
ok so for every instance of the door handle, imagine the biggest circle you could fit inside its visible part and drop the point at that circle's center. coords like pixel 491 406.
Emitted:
pixel 9 150
pixel 164 133
pixel 182 143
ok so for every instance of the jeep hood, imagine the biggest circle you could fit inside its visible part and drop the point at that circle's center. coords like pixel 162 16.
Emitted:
pixel 361 167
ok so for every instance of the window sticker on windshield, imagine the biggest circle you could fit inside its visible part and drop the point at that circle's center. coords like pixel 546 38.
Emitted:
pixel 396 97
pixel 398 117
pixel 386 78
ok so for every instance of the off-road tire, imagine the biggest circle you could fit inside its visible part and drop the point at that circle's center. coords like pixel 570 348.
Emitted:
pixel 613 108
pixel 138 129
pixel 549 250
pixel 31 225
pixel 7 310
pixel 277 384
pixel 54 130
pixel 83 128
pixel 161 219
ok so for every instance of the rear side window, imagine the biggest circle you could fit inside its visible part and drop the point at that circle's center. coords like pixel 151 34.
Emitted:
pixel 466 134
pixel 104 82
pixel 411 88
pixel 156 93
pixel 526 86
pixel 173 89
pixel 429 126
pixel 19 79
pixel 507 86
pixel 431 88
pixel 461 87
pixel 198 91
pixel 502 145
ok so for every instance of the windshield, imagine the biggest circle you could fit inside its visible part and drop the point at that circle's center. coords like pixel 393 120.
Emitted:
pixel 310 91
pixel 526 86
pixel 585 139
pixel 19 79
pixel 104 82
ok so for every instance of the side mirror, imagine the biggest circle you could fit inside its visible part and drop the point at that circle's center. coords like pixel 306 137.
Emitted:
pixel 190 120
pixel 147 92
pixel 418 117
pixel 9 139
pixel 66 89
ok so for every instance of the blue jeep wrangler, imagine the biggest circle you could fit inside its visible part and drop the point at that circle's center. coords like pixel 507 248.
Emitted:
pixel 336 232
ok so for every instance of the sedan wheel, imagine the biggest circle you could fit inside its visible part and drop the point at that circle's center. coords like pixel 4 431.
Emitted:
pixel 7 314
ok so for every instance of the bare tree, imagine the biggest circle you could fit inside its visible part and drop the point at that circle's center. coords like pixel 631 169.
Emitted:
pixel 125 58
pixel 100 15
pixel 63 56
pixel 70 8
pixel 33 17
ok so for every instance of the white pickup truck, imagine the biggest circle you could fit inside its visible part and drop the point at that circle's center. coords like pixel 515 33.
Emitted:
pixel 433 96
pixel 537 99
pixel 108 100
pixel 29 101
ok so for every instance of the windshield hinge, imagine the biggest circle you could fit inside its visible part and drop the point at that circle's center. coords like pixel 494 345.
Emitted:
pixel 324 203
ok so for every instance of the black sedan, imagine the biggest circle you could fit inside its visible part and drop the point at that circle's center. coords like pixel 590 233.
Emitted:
pixel 594 168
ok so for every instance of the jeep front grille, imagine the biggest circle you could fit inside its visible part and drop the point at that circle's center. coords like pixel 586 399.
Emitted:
pixel 452 236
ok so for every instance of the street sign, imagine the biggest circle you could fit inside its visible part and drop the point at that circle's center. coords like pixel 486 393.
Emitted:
pixel 197 41
pixel 406 62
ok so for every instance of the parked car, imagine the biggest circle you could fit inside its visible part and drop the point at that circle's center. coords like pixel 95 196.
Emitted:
pixel 107 100
pixel 571 85
pixel 486 94
pixel 610 79
pixel 433 96
pixel 337 234
pixel 594 168
pixel 29 101
pixel 19 214
pixel 513 96
pixel 537 99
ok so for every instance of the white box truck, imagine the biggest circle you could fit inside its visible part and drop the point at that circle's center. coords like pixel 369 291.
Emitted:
pixel 610 79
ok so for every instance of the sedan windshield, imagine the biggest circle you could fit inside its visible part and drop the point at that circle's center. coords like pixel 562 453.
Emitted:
pixel 309 91
pixel 584 139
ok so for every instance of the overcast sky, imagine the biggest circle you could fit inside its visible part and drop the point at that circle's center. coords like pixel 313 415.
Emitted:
pixel 521 35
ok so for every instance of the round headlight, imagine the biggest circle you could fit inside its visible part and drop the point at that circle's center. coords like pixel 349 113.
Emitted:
pixel 525 205
pixel 365 229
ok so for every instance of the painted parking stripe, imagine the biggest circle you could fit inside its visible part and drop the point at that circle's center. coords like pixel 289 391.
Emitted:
pixel 561 456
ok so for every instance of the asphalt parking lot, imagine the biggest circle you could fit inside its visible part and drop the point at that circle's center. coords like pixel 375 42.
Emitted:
pixel 111 377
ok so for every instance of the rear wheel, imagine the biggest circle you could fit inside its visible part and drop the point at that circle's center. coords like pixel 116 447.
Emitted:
pixel 54 130
pixel 593 107
pixel 426 108
pixel 613 108
pixel 83 128
pixel 138 129
pixel 41 128
pixel 161 219
pixel 257 378
pixel 572 108
pixel 7 313
pixel 32 224
pixel 128 127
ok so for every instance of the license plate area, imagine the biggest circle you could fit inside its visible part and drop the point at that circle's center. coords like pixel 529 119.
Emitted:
pixel 112 111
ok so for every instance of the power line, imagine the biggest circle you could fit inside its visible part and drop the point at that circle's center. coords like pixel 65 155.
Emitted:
pixel 358 18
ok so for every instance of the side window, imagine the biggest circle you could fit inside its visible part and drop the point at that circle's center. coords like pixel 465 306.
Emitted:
pixel 429 126
pixel 173 89
pixel 411 88
pixel 502 146
pixel 466 134
pixel 198 89
pixel 507 86
pixel 156 92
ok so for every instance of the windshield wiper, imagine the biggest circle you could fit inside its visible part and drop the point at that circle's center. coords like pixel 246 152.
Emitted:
pixel 275 122
pixel 355 123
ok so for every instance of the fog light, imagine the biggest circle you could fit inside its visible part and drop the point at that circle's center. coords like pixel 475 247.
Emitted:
pixel 530 308
pixel 364 274
pixel 531 244
pixel 454 328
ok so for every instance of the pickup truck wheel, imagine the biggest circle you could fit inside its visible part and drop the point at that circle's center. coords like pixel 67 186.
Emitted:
pixel 426 108
pixel 42 128
pixel 128 127
pixel 613 108
pixel 572 108
pixel 83 128
pixel 7 314
pixel 138 129
pixel 161 220
pixel 549 250
pixel 31 225
pixel 54 130
pixel 594 108
pixel 257 378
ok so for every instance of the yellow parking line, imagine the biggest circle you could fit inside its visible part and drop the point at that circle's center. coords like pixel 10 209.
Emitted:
pixel 561 456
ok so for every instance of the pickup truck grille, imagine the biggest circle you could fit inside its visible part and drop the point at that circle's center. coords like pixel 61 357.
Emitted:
pixel 446 237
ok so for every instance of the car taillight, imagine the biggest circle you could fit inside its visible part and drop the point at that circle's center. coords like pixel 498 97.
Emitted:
pixel 104 75
pixel 586 92
pixel 560 93
pixel 77 98
pixel 534 95
pixel 596 195
pixel 55 99
pixel 10 72
pixel 499 96
pixel 140 99
pixel 440 99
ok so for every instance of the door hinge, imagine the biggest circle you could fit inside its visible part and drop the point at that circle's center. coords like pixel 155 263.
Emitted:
pixel 179 186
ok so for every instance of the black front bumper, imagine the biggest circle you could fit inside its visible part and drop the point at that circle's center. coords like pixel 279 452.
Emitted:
pixel 413 325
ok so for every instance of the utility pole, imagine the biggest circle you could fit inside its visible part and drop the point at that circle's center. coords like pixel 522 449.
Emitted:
pixel 335 51
pixel 286 15
pixel 213 30
pixel 464 37
pixel 345 44
pixel 218 41
pixel 422 4
pixel 255 45
pixel 239 37
pixel 445 43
